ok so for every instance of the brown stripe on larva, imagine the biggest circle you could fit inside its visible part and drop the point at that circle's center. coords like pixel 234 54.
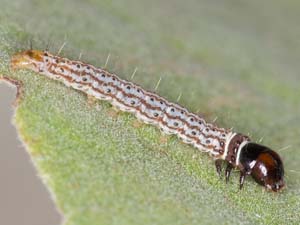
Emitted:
pixel 149 106
pixel 157 98
pixel 72 70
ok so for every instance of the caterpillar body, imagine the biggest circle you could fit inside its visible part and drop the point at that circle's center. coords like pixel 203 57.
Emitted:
pixel 262 163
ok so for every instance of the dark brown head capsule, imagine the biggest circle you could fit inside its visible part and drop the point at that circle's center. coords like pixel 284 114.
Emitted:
pixel 263 164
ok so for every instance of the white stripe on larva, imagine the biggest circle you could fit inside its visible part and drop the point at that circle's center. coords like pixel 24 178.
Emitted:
pixel 229 138
pixel 239 151
pixel 148 107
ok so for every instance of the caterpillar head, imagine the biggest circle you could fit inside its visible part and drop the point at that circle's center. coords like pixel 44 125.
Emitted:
pixel 29 59
pixel 264 165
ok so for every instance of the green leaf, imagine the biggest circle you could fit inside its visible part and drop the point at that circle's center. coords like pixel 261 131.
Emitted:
pixel 237 61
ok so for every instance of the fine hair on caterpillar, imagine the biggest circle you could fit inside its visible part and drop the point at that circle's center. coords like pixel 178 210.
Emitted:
pixel 237 150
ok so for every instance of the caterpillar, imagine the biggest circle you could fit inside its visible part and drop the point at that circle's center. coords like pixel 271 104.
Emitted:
pixel 236 149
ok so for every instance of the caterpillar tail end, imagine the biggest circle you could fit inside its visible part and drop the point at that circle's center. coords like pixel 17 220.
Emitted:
pixel 26 59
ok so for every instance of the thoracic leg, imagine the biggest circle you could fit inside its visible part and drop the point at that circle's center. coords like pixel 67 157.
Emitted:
pixel 242 178
pixel 218 164
pixel 228 171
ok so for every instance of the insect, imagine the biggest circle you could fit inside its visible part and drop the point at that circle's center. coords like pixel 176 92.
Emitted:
pixel 236 149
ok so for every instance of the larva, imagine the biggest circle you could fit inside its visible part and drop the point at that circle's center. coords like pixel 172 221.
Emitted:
pixel 236 149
